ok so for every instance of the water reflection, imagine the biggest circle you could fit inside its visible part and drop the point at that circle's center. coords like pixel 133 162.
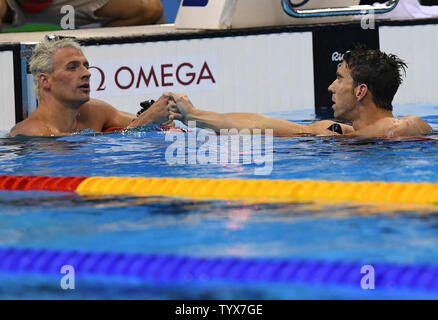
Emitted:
pixel 21 146
pixel 142 153
pixel 237 212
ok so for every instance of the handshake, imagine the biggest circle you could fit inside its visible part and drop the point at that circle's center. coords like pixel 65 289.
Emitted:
pixel 170 106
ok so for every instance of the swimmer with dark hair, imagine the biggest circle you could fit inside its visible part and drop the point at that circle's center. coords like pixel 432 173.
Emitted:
pixel 362 93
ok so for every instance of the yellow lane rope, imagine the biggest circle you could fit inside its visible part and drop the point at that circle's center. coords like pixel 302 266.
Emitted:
pixel 265 190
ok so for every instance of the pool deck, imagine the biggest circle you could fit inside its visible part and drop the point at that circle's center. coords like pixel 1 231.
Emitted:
pixel 95 33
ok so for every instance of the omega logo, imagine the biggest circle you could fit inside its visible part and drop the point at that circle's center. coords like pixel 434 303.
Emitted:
pixel 163 75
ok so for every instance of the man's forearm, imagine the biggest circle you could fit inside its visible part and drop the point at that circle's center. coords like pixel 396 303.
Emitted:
pixel 251 121
pixel 150 117
pixel 142 120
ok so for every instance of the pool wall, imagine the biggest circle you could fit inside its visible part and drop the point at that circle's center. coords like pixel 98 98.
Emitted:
pixel 10 87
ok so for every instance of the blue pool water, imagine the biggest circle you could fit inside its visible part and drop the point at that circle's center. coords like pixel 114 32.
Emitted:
pixel 311 231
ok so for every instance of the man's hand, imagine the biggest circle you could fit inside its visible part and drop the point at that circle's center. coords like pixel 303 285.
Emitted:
pixel 180 107
pixel 157 113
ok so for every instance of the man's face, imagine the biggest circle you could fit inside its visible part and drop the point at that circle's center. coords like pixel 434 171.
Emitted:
pixel 342 89
pixel 70 79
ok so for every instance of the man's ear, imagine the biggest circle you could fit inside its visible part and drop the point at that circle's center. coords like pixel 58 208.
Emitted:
pixel 361 91
pixel 43 79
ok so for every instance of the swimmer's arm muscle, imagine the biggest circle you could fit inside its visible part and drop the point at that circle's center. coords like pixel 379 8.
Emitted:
pixel 186 111
pixel 251 121
pixel 281 127
pixel 100 115
pixel 119 119
pixel 181 108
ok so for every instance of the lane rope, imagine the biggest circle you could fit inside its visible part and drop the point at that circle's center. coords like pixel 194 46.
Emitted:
pixel 182 269
pixel 233 189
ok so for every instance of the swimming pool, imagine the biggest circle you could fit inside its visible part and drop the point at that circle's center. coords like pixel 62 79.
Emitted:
pixel 309 236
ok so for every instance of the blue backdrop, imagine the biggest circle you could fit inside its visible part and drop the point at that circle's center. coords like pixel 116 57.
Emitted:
pixel 170 9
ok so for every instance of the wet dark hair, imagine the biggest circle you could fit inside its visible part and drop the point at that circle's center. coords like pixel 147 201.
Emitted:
pixel 381 72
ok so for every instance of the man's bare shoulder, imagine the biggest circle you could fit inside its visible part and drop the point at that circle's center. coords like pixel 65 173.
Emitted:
pixel 97 111
pixel 409 126
pixel 95 105
pixel 31 127
pixel 417 123
pixel 99 115
pixel 396 127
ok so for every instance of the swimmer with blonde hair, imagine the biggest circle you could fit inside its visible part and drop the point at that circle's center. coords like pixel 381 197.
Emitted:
pixel 62 85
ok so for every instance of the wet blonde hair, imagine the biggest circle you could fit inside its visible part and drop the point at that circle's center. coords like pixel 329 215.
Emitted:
pixel 42 58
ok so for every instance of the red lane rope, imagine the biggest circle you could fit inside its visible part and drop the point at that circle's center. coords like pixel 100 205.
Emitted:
pixel 68 184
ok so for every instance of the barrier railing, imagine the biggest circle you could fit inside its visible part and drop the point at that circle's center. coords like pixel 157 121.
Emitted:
pixel 294 11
